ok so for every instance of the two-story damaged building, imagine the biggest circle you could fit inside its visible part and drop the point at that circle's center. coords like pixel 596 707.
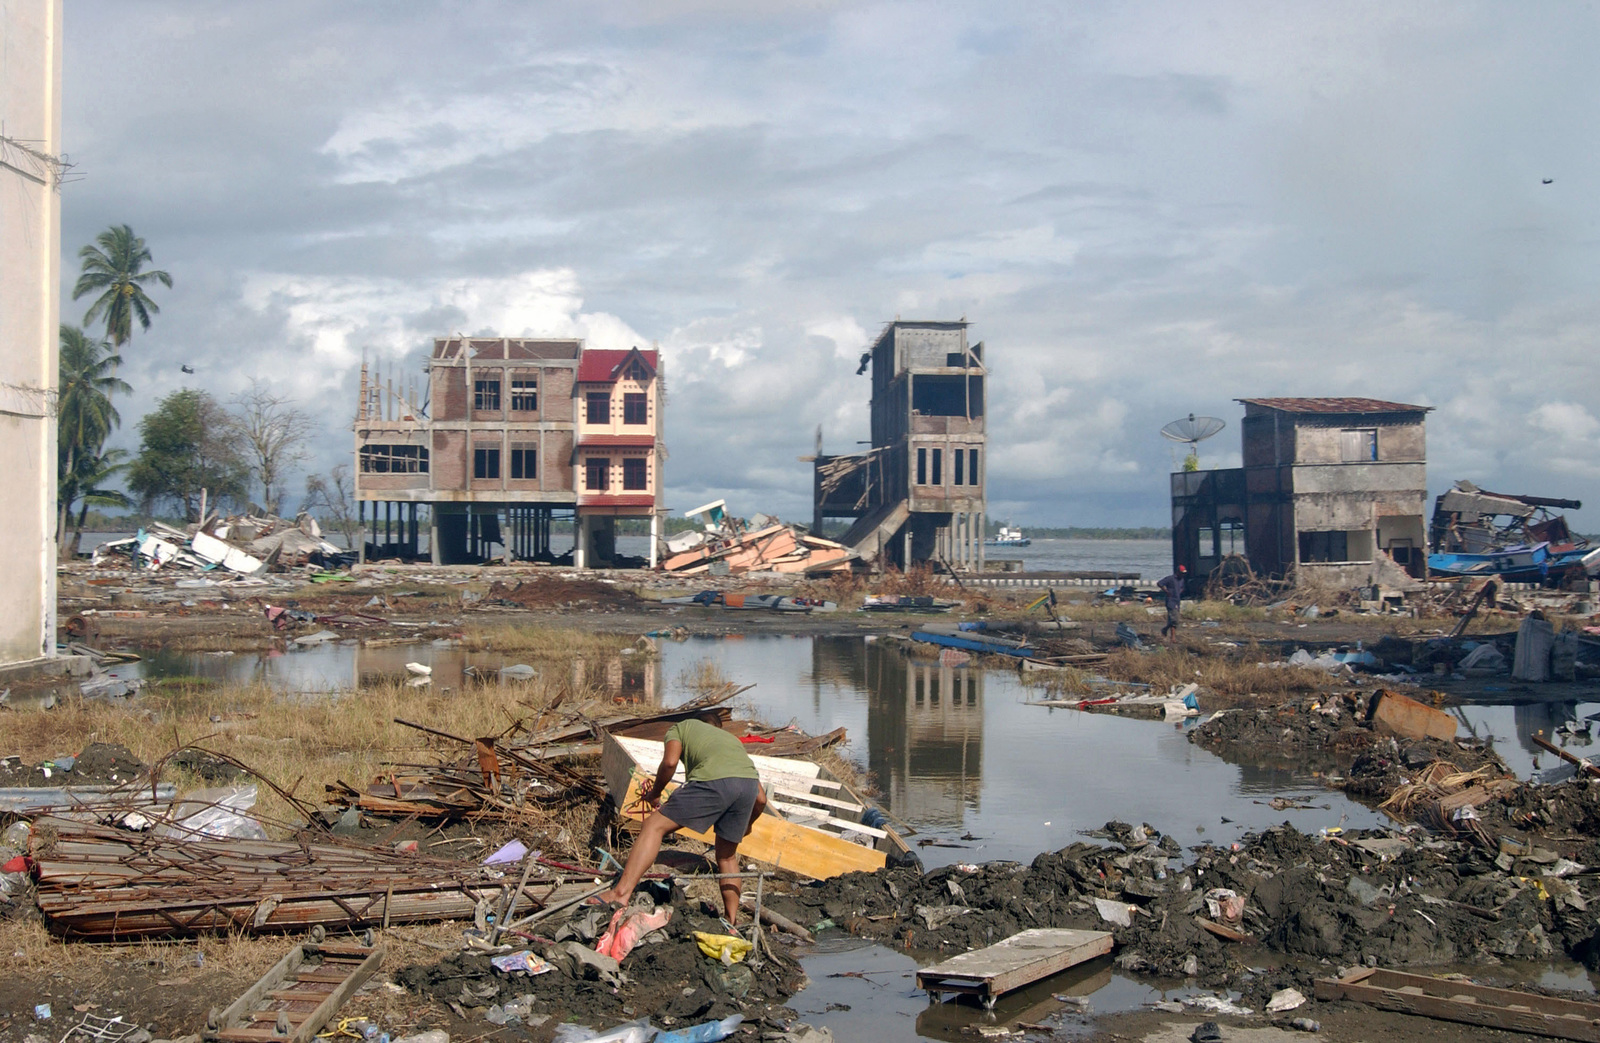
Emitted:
pixel 1331 488
pixel 918 493
pixel 496 449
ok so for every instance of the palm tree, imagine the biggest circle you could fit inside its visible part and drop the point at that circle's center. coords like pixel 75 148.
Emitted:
pixel 91 483
pixel 85 416
pixel 113 269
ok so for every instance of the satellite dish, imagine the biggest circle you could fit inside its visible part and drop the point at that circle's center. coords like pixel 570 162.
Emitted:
pixel 1192 430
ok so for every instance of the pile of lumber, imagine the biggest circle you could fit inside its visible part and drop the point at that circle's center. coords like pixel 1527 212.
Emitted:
pixel 103 883
pixel 775 548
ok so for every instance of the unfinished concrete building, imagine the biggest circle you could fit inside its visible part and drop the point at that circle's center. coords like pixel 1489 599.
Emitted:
pixel 917 495
pixel 489 457
pixel 1332 489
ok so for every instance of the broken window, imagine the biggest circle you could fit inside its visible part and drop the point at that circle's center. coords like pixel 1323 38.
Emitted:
pixel 597 474
pixel 972 467
pixel 486 461
pixel 486 395
pixel 597 407
pixel 634 473
pixel 525 395
pixel 524 461
pixel 1230 536
pixel 922 467
pixel 938 467
pixel 394 459
pixel 1358 445
pixel 1324 546
pixel 635 408
pixel 939 396
pixel 957 471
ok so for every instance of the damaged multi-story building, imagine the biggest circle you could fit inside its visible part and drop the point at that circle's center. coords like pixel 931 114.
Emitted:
pixel 1331 489
pixel 917 494
pixel 511 435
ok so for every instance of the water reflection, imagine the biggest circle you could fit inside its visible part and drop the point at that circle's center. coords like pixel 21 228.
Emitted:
pixel 344 665
pixel 953 751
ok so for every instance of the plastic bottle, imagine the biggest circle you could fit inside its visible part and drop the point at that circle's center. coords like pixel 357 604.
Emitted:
pixel 709 1032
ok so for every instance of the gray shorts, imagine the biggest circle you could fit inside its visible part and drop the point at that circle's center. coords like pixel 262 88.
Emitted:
pixel 726 803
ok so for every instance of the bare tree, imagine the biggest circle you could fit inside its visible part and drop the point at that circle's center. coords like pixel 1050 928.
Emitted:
pixel 331 495
pixel 275 434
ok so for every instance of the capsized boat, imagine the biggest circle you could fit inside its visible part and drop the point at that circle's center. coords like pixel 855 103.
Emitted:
pixel 815 824
pixel 1502 563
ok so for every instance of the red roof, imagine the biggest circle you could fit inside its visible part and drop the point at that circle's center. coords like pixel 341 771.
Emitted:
pixel 600 365
pixel 1334 405
pixel 638 441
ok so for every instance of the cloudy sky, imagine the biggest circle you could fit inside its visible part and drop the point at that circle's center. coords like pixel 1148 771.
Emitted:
pixel 1145 210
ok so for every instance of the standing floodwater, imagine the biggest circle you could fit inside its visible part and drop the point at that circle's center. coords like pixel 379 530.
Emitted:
pixel 953 751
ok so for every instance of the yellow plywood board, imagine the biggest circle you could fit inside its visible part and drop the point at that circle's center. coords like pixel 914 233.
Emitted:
pixel 802 850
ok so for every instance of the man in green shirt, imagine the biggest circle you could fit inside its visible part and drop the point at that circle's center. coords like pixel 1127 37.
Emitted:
pixel 721 790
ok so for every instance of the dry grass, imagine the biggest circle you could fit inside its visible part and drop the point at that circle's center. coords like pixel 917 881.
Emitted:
pixel 301 742
pixel 543 643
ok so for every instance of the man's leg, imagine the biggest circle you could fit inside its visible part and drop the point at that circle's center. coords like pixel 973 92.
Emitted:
pixel 642 857
pixel 727 865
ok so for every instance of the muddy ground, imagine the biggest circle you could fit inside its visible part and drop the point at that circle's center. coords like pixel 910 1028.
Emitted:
pixel 1307 905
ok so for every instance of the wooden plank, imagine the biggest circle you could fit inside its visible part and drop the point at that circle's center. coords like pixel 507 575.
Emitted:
pixel 1467 1003
pixel 1410 719
pixel 1017 961
pixel 822 816
pixel 817 798
pixel 307 1030
pixel 279 971
pixel 805 851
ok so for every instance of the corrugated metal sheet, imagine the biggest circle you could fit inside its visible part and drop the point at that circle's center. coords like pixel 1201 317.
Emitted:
pixel 1334 405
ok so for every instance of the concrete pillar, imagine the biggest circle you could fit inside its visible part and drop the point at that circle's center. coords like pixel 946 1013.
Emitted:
pixel 655 535
pixel 580 535
pixel 361 532
pixel 433 536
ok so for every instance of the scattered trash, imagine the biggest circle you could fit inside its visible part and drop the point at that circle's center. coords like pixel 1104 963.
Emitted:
pixel 1216 1005
pixel 524 962
pixel 1285 999
pixel 724 947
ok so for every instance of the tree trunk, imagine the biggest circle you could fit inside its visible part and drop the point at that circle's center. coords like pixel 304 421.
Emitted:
pixel 77 530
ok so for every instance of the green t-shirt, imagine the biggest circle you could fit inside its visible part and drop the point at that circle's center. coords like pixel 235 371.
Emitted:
pixel 710 753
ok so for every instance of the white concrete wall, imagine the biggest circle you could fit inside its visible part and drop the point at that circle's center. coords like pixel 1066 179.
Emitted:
pixel 30 291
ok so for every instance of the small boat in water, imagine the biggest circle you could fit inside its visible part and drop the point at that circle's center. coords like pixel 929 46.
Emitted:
pixel 1008 536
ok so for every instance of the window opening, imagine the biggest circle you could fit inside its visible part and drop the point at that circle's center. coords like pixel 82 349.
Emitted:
pixel 922 467
pixel 938 467
pixel 634 472
pixel 958 471
pixel 485 462
pixel 524 461
pixel 597 474
pixel 394 459
pixel 486 395
pixel 635 408
pixel 1359 445
pixel 972 467
pixel 597 407
pixel 525 395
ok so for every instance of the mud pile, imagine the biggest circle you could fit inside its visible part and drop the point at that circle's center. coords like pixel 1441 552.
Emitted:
pixel 99 764
pixel 553 592
pixel 666 976
pixel 1366 897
